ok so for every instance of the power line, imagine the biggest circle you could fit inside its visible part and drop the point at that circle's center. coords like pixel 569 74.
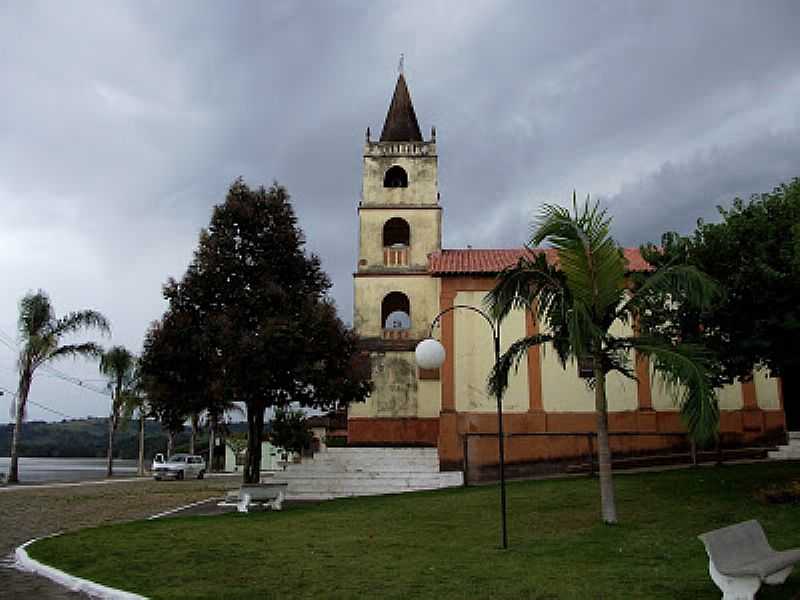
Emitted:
pixel 74 380
pixel 52 410
pixel 37 404
pixel 6 340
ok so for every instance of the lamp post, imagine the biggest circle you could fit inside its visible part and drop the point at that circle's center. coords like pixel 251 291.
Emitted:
pixel 430 354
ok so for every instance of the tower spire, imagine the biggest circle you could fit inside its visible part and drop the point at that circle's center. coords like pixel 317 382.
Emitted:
pixel 401 123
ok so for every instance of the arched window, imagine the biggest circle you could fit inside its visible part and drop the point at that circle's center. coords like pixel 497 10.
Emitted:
pixel 396 312
pixel 395 177
pixel 396 233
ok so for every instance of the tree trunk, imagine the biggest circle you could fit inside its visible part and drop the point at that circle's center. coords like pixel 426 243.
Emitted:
pixel 212 426
pixel 113 419
pixel 255 429
pixel 170 443
pixel 141 442
pixel 22 399
pixel 609 506
pixel 193 437
pixel 111 427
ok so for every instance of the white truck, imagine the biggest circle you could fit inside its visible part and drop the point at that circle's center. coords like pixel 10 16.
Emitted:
pixel 178 466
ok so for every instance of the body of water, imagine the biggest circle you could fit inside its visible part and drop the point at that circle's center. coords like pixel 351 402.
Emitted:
pixel 47 470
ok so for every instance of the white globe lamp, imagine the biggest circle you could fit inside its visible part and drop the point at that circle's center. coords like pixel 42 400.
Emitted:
pixel 429 354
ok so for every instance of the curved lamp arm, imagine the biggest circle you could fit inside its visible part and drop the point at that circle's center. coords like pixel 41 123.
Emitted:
pixel 494 325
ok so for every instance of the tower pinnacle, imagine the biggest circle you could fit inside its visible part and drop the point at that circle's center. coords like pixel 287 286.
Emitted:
pixel 401 121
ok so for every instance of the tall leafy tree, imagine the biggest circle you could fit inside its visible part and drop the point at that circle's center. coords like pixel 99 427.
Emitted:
pixel 754 252
pixel 262 304
pixel 181 365
pixel 41 336
pixel 578 299
pixel 169 372
pixel 117 364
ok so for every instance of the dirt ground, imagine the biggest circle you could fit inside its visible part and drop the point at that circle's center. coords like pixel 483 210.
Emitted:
pixel 30 512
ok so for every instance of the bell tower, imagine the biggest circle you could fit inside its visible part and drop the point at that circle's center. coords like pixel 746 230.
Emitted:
pixel 395 296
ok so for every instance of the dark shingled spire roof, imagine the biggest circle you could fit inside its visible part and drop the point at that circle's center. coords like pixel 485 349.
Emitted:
pixel 401 122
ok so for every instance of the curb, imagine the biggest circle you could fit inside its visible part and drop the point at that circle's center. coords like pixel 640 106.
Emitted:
pixel 24 562
pixel 180 508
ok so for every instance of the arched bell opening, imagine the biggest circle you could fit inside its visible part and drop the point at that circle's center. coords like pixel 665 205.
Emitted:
pixel 395 177
pixel 396 242
pixel 396 315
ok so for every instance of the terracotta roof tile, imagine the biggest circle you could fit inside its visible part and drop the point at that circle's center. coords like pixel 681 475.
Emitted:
pixel 491 261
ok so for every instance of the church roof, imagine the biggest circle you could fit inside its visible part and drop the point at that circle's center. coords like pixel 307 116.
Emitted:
pixel 401 121
pixel 471 261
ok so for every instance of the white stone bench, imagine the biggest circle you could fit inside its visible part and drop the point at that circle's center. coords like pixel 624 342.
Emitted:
pixel 258 494
pixel 740 559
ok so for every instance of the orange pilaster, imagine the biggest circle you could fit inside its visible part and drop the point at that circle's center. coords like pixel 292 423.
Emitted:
pixel 535 403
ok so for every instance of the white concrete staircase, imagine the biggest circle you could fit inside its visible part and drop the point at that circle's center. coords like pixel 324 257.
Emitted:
pixel 790 451
pixel 342 472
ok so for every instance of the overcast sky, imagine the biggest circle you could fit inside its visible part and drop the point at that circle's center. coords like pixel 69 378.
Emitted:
pixel 122 124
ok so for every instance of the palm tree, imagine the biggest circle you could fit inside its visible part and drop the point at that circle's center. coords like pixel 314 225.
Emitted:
pixel 118 365
pixel 40 337
pixel 135 402
pixel 579 298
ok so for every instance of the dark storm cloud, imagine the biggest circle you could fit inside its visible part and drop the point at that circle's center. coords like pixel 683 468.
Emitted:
pixel 122 124
pixel 677 195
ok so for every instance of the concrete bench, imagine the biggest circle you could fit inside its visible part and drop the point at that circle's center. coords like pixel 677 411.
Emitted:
pixel 740 559
pixel 257 494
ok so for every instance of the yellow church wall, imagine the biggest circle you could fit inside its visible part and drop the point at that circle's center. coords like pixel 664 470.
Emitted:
pixel 421 170
pixel 426 235
pixel 766 390
pixel 729 396
pixel 430 398
pixel 423 297
pixel 564 391
pixel 474 357
pixel 398 393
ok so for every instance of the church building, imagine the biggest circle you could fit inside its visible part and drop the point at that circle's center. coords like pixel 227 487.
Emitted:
pixel 404 278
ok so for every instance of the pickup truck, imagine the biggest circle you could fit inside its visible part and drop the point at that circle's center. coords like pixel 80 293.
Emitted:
pixel 178 466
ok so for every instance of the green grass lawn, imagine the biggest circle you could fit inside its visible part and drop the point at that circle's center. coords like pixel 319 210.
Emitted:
pixel 445 544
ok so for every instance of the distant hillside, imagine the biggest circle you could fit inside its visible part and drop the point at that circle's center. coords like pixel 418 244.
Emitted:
pixel 87 438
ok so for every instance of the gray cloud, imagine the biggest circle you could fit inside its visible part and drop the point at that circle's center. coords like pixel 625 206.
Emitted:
pixel 123 123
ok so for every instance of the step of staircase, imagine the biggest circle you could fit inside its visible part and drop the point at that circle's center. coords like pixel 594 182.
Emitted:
pixel 790 451
pixel 344 472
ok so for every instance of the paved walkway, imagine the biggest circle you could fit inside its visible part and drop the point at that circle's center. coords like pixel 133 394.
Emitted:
pixel 33 511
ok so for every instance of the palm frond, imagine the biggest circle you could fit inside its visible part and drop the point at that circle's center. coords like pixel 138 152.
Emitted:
pixel 87 349
pixel 118 362
pixel 588 256
pixel 617 358
pixel 498 377
pixel 593 267
pixel 35 315
pixel 132 402
pixel 79 320
pixel 686 282
pixel 522 285
pixel 684 370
